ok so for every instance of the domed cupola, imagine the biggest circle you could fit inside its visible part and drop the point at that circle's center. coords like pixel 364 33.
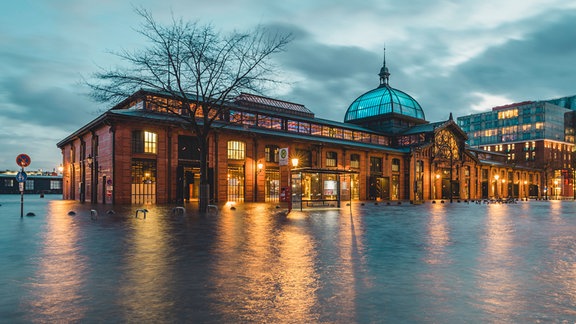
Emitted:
pixel 385 108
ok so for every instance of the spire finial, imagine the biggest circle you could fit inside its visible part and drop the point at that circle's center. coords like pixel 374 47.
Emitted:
pixel 384 74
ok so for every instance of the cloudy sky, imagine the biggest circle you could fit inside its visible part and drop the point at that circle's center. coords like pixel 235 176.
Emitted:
pixel 452 56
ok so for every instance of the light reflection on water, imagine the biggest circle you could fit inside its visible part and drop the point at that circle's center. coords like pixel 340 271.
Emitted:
pixel 372 263
pixel 55 287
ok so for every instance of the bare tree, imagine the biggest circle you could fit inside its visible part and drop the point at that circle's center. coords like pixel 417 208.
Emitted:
pixel 198 67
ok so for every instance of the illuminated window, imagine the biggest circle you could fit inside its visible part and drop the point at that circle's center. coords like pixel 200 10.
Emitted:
pixel 271 153
pixel 236 150
pixel 29 185
pixel 55 184
pixel 395 165
pixel 143 189
pixel 355 161
pixel 144 142
pixel 508 114
pixel 331 159
pixel 150 142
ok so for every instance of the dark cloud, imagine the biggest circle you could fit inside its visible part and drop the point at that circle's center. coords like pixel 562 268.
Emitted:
pixel 56 106
pixel 433 53
pixel 538 66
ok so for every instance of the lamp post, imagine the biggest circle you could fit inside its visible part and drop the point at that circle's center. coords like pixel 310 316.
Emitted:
pixel 496 177
pixel 437 177
pixel 259 168
pixel 294 165
pixel 556 188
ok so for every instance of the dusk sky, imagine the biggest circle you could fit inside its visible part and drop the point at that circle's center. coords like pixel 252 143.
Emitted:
pixel 451 56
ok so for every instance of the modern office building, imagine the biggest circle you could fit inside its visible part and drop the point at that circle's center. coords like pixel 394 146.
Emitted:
pixel 139 153
pixel 535 134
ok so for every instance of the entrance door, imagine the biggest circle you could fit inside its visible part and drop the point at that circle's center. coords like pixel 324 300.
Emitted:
pixel 188 186
pixel 191 184
pixel 379 188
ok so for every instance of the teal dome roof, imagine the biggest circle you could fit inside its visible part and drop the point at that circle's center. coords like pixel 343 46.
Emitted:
pixel 382 101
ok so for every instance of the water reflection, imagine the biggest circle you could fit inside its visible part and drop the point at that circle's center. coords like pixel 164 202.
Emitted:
pixel 146 285
pixel 497 264
pixel 351 279
pixel 270 262
pixel 438 235
pixel 395 264
pixel 56 292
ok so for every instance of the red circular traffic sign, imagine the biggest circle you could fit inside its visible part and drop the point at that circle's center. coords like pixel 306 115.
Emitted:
pixel 23 160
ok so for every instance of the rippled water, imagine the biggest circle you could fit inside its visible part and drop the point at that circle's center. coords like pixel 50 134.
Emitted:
pixel 426 263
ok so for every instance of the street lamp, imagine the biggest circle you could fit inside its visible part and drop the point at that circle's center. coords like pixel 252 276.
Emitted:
pixel 294 165
pixel 556 188
pixel 436 186
pixel 496 177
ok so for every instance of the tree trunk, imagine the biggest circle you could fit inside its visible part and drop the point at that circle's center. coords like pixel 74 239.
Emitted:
pixel 204 183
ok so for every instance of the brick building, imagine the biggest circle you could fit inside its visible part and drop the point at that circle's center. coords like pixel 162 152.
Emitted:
pixel 138 153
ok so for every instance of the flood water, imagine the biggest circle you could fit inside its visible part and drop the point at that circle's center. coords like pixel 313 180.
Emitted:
pixel 430 263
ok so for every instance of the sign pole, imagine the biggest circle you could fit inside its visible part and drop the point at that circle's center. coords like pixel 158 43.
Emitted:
pixel 22 160
pixel 20 184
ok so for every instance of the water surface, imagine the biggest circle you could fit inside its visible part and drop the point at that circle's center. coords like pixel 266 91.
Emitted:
pixel 430 263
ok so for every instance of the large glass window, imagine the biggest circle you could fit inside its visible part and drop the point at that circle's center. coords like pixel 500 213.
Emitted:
pixel 143 181
pixel 29 185
pixel 236 150
pixel 235 183
pixel 272 184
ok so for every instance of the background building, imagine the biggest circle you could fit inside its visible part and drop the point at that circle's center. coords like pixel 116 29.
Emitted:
pixel 37 182
pixel 535 134
pixel 138 153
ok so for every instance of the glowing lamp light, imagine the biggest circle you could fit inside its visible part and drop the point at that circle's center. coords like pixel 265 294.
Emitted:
pixel 295 162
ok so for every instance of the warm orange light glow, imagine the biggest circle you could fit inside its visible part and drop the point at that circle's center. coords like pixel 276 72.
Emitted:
pixel 295 162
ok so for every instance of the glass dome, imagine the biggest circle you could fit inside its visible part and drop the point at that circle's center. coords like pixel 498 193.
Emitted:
pixel 381 101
